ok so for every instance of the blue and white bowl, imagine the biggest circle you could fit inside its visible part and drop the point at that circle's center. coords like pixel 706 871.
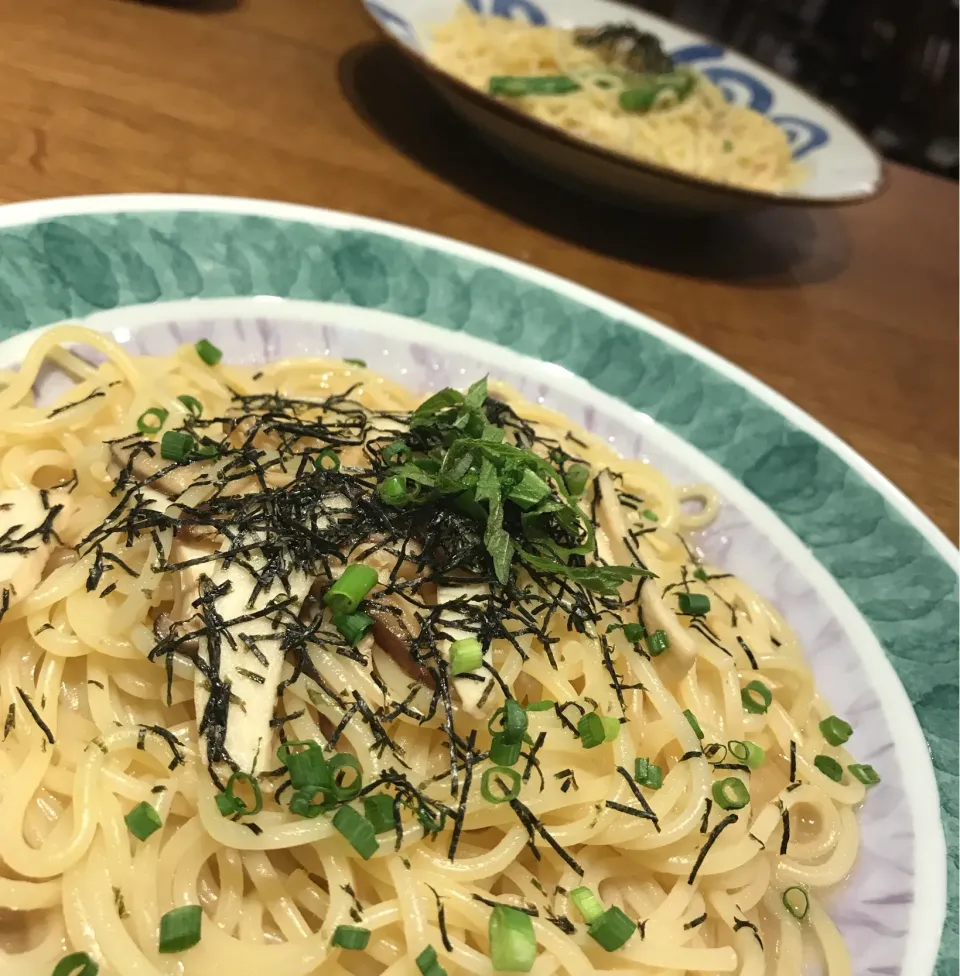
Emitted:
pixel 841 166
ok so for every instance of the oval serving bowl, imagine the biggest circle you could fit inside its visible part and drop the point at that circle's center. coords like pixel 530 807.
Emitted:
pixel 841 167
pixel 865 579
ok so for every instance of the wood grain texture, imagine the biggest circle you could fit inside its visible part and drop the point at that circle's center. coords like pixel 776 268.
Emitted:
pixel 850 313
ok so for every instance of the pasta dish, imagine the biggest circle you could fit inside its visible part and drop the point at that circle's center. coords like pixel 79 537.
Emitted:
pixel 615 87
pixel 301 673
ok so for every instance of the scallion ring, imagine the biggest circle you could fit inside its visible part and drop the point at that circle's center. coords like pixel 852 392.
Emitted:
pixel 158 414
pixel 500 771
pixel 327 460
pixel 349 789
pixel 797 902
pixel 756 698
pixel 513 944
pixel 731 794
pixel 191 403
pixel 396 452
pixel 76 964
pixel 230 804
pixel 180 928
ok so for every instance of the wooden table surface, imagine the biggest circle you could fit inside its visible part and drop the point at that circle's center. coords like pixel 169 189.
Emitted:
pixel 851 313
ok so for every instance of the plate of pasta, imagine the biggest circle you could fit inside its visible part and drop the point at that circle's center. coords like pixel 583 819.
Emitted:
pixel 625 105
pixel 344 632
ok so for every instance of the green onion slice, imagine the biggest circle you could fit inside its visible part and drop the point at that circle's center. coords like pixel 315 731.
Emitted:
pixel 540 706
pixel 350 937
pixel 650 515
pixel 143 820
pixel 465 655
pixel 576 479
pixel 701 574
pixel 658 642
pixel 756 698
pixel 693 603
pixel 865 773
pixel 76 964
pixel 648 774
pixel 354 584
pixel 397 451
pixel 829 767
pixel 191 403
pixel 356 362
pixel 427 963
pixel 380 811
pixel 611 728
pixel 236 802
pixel 506 773
pixel 513 945
pixel 353 625
pixel 517 86
pixel 747 752
pixel 835 730
pixel 357 830
pixel 176 445
pixel 145 424
pixel 592 732
pixel 731 794
pixel 394 491
pixel 208 352
pixel 694 724
pixel 503 752
pixel 327 460
pixel 307 767
pixel 509 722
pixel 180 928
pixel 347 787
pixel 797 902
pixel 586 903
pixel 612 929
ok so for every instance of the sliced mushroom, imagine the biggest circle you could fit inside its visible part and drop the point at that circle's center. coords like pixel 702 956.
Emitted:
pixel 142 458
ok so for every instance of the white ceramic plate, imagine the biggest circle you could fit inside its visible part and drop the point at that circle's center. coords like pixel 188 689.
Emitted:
pixel 841 166
pixel 865 579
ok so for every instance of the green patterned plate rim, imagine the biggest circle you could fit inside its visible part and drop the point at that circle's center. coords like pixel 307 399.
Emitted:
pixel 72 257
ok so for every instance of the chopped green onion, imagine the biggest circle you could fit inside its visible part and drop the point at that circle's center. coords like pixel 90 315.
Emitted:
pixel 208 352
pixel 835 730
pixel 327 460
pixel 143 424
pixel 229 803
pixel 730 794
pixel 648 774
pixel 302 805
pixel 380 811
pixel 427 963
pixel 756 698
pixel 306 768
pixel 650 516
pixel 350 937
pixel 503 752
pixel 865 773
pixel 658 642
pixel 396 450
pixel 531 490
pixel 348 790
pixel 693 603
pixel 797 902
pixel 611 728
pixel 346 593
pixel 509 774
pixel 394 491
pixel 356 362
pixel 513 945
pixel 643 96
pixel 592 732
pixel 519 85
pixel 576 479
pixel 180 928
pixel 540 706
pixel 829 767
pixel 353 625
pixel 357 830
pixel 701 574
pixel 191 403
pixel 509 722
pixel 612 929
pixel 465 655
pixel 694 724
pixel 143 820
pixel 76 964
pixel 747 752
pixel 633 633
pixel 586 903
pixel 176 445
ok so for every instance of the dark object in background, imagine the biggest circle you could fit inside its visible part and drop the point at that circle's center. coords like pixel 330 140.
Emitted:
pixel 890 66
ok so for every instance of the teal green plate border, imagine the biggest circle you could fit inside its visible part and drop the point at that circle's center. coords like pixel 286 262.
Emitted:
pixel 68 258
